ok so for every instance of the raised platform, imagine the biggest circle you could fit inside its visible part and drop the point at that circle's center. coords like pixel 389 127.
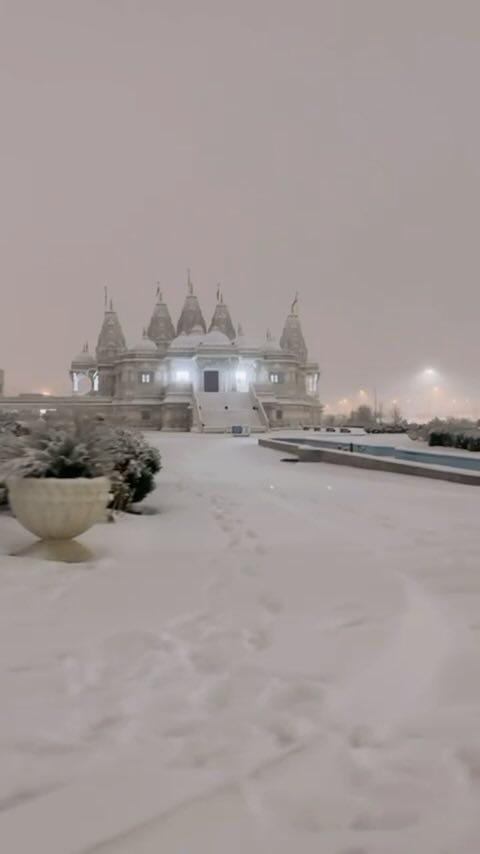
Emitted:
pixel 309 453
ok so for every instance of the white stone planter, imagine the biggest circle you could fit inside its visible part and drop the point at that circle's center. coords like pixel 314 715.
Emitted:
pixel 58 508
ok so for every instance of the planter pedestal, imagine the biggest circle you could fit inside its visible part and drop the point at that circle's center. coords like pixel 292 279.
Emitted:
pixel 61 551
pixel 56 510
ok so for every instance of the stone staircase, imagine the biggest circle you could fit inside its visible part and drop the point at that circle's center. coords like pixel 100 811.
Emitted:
pixel 218 412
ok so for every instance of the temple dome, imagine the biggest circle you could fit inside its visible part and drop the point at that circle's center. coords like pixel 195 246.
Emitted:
pixel 84 359
pixel 146 345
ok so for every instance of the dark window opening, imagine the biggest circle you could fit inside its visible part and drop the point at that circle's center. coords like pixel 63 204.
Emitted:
pixel 211 381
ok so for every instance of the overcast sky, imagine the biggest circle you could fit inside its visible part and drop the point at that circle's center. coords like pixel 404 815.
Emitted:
pixel 326 146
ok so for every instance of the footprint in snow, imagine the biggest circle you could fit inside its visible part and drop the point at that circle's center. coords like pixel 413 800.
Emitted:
pixel 261 549
pixel 271 603
pixel 391 818
pixel 250 570
pixel 258 639
pixel 352 624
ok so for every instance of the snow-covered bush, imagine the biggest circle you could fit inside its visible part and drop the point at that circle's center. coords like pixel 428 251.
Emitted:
pixel 85 451
pixel 452 439
pixel 11 427
pixel 133 464
pixel 47 452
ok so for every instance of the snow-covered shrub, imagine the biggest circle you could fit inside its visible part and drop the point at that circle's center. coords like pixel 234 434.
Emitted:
pixel 47 452
pixel 452 439
pixel 132 464
pixel 440 438
pixel 85 451
pixel 11 427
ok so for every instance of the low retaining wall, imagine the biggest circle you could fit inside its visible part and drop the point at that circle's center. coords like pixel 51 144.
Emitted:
pixel 361 461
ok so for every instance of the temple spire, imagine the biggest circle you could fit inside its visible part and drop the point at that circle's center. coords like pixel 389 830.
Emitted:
pixel 160 329
pixel 221 320
pixel 111 340
pixel 191 318
pixel 292 340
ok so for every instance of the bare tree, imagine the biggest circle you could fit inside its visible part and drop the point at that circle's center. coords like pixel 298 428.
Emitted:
pixel 396 415
pixel 362 417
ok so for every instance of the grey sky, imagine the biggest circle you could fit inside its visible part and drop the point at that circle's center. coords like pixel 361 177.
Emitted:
pixel 329 147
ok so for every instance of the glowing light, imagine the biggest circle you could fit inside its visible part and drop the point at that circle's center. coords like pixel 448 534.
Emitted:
pixel 429 372
pixel 241 380
pixel 182 377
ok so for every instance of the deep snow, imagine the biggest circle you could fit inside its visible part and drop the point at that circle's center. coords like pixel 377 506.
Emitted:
pixel 281 658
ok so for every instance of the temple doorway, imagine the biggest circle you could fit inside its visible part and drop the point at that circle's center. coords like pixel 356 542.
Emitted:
pixel 211 381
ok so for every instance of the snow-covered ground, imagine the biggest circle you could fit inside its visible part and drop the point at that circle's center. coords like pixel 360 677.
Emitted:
pixel 277 658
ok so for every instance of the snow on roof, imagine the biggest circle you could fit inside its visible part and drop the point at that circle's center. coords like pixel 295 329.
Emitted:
pixel 144 346
pixel 84 359
pixel 194 341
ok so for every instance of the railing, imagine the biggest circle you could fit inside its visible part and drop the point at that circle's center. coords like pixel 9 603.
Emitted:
pixel 197 418
pixel 259 406
pixel 280 389
pixel 179 388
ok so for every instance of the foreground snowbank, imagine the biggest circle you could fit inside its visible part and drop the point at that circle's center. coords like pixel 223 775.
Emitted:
pixel 279 658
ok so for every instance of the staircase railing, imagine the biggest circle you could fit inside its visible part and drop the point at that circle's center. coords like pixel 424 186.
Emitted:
pixel 197 423
pixel 260 409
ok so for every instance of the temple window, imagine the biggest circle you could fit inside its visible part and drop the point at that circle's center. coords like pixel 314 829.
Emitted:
pixel 145 377
pixel 277 377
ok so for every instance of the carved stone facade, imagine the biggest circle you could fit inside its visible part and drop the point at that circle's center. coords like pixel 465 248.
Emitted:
pixel 194 379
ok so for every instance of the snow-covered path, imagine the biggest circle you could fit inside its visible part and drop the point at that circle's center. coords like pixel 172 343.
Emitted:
pixel 284 657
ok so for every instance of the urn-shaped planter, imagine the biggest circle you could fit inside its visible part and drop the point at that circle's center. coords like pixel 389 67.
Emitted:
pixel 58 508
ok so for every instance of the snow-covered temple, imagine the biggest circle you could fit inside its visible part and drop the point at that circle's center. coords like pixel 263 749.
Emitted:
pixel 196 377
